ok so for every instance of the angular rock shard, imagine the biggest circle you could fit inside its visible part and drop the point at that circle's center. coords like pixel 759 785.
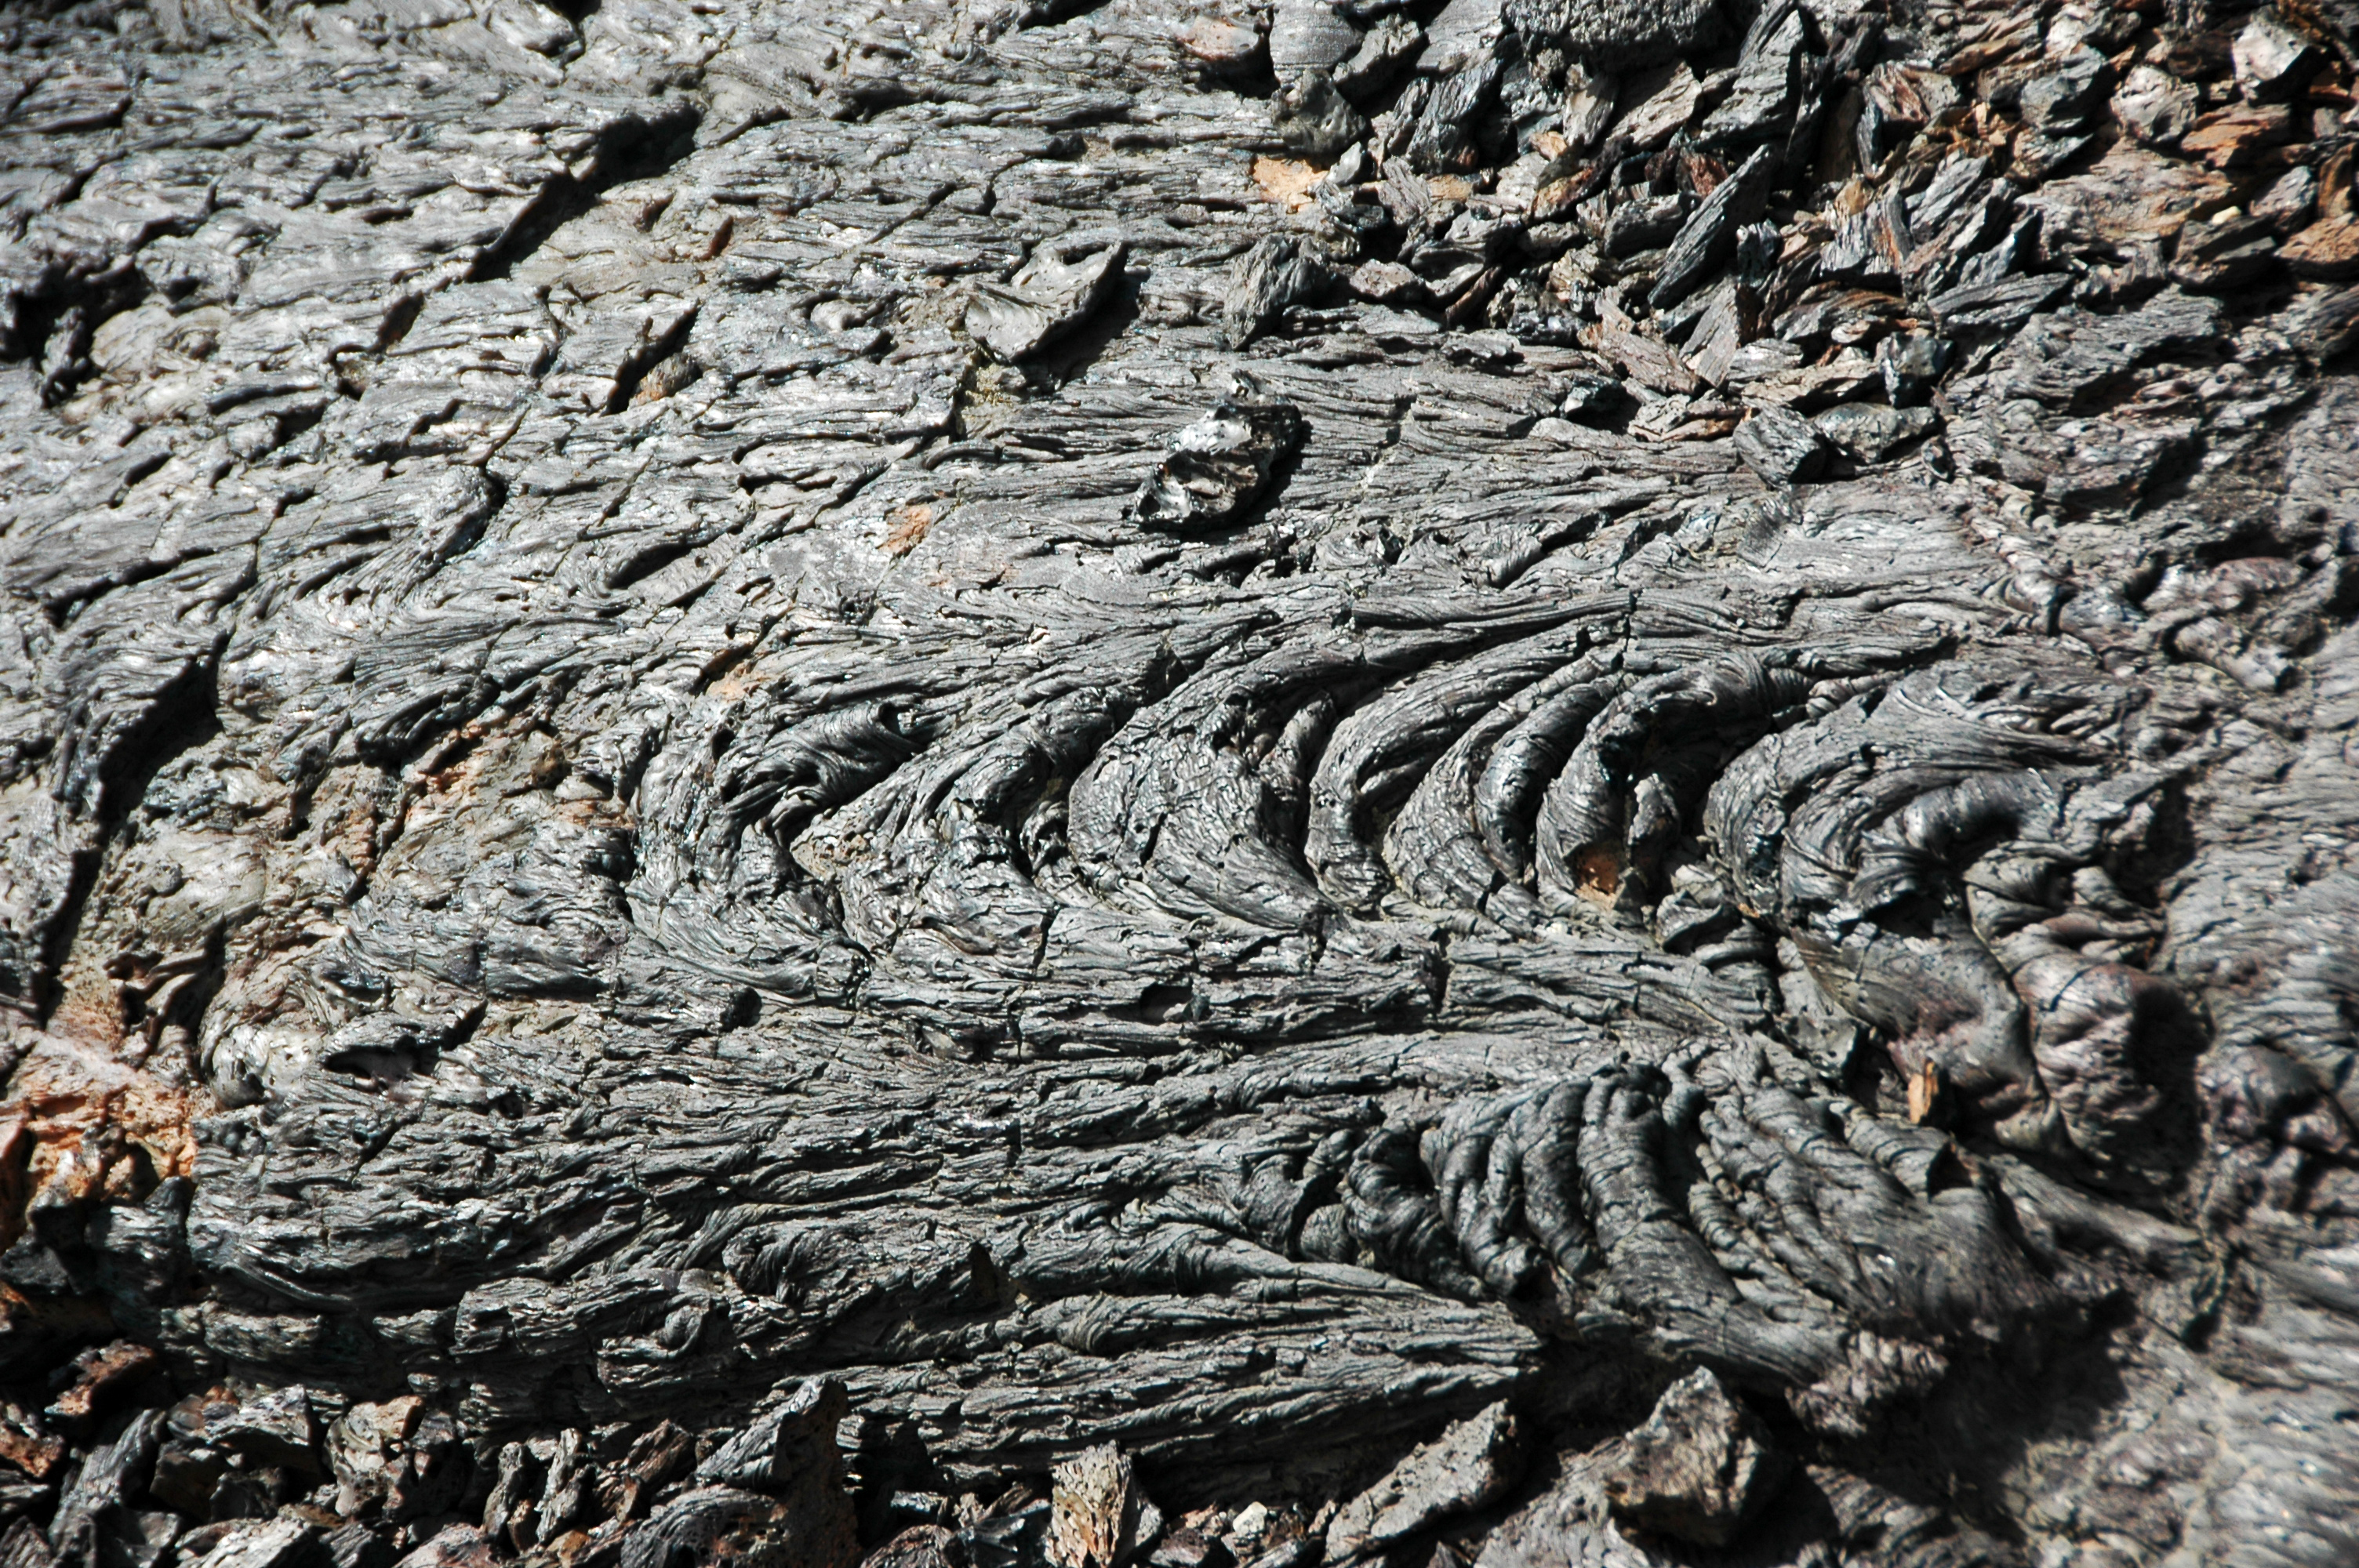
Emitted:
pixel 1698 1468
pixel 1219 466
pixel 1047 298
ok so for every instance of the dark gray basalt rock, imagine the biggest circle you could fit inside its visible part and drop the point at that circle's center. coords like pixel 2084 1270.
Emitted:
pixel 1698 1468
pixel 1046 298
pixel 1219 465
pixel 1313 116
pixel 1616 34
pixel 990 782
pixel 1781 445
pixel 1309 35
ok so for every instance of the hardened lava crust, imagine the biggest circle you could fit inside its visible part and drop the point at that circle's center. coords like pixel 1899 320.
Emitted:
pixel 981 784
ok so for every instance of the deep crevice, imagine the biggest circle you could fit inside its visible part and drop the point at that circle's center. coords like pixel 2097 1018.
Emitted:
pixel 634 149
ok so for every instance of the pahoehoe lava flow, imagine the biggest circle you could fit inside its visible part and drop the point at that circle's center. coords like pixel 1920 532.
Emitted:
pixel 1179 783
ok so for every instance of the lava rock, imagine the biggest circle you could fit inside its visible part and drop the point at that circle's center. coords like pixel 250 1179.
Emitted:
pixel 1911 363
pixel 1315 118
pixel 1275 273
pixel 1471 1464
pixel 1592 398
pixel 1388 283
pixel 1387 47
pixel 2237 137
pixel 2327 251
pixel 711 1525
pixel 2155 107
pixel 98 1520
pixel 1698 1469
pixel 359 1545
pixel 2289 203
pixel 606 808
pixel 22 1545
pixel 1896 103
pixel 21 1496
pixel 102 1379
pixel 1780 445
pixel 2324 325
pixel 790 1452
pixel 1707 241
pixel 275 1428
pixel 921 1546
pixel 1762 98
pixel 1098 1515
pixel 250 1492
pixel 1047 298
pixel 1444 136
pixel 1645 224
pixel 1219 466
pixel 2230 254
pixel 2069 90
pixel 1617 34
pixel 1308 35
pixel 1658 104
pixel 1871 431
pixel 271 1543
pixel 2274 62
pixel 1016 1539
pixel 2004 302
pixel 25 1443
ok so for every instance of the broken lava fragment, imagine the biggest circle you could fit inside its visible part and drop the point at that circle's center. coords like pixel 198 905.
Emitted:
pixel 1219 465
pixel 1053 293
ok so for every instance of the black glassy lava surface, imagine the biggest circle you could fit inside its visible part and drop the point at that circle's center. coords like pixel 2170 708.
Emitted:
pixel 1514 783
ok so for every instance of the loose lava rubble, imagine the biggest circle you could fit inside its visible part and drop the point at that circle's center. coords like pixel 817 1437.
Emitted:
pixel 1179 783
